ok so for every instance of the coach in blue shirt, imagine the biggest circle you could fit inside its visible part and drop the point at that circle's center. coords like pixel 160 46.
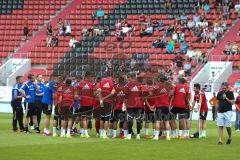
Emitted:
pixel 28 91
pixel 16 104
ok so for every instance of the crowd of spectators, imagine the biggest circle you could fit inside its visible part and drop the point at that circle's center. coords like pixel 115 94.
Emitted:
pixel 232 48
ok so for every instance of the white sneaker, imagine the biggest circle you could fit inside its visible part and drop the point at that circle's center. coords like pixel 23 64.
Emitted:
pixel 237 130
pixel 155 138
pixel 32 127
pixel 63 136
pixel 138 136
pixel 129 137
pixel 55 135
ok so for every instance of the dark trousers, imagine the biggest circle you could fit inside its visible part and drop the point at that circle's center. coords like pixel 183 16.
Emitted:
pixel 213 113
pixel 38 105
pixel 17 115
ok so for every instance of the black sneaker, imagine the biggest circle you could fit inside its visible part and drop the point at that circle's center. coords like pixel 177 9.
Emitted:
pixel 229 141
pixel 195 135
pixel 37 130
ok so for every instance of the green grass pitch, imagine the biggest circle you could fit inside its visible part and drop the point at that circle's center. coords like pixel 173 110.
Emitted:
pixel 20 146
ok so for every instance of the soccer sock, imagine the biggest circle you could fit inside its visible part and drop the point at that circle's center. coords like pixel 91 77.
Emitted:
pixel 180 133
pixel 125 132
pixel 86 132
pixel 81 131
pixel 154 130
pixel 146 131
pixel 167 133
pixel 164 133
pixel 101 132
pixel 68 131
pixel 54 130
pixel 63 132
pixel 139 128
pixel 74 125
pixel 188 133
pixel 204 132
pixel 156 134
pixel 110 132
pixel 176 133
pixel 114 133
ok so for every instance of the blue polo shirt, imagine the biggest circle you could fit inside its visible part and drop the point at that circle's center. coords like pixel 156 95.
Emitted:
pixel 48 93
pixel 40 91
pixel 30 89
pixel 15 92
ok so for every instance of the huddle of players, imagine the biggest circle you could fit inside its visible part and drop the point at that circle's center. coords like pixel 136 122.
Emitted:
pixel 111 101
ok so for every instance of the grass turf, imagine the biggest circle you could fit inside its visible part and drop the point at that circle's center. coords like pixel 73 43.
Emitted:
pixel 17 146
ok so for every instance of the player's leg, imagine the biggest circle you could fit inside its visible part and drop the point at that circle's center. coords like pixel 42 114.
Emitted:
pixel 111 123
pixel 20 118
pixel 34 117
pixel 166 118
pixel 139 120
pixel 172 122
pixel 157 124
pixel 147 120
pixel 69 126
pixel 228 117
pixel 220 123
pixel 14 117
pixel 47 110
pixel 26 117
pixel 130 118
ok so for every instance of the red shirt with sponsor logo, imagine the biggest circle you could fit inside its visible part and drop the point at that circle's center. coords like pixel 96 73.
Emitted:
pixel 204 107
pixel 106 86
pixel 59 90
pixel 237 103
pixel 86 91
pixel 96 102
pixel 181 93
pixel 134 95
pixel 162 95
pixel 68 96
pixel 121 91
pixel 148 94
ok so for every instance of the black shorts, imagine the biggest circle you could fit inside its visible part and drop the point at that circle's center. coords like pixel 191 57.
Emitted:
pixel 181 112
pixel 149 117
pixel 85 111
pixel 118 115
pixel 163 114
pixel 105 112
pixel 47 109
pixel 66 112
pixel 203 115
pixel 30 109
pixel 25 31
pixel 38 105
pixel 137 113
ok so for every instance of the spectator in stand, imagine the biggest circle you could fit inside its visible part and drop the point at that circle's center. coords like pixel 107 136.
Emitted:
pixel 49 34
pixel 160 25
pixel 73 42
pixel 60 26
pixel 196 18
pixel 187 67
pixel 118 24
pixel 207 8
pixel 218 30
pixel 237 104
pixel 179 60
pixel 147 65
pixel 54 41
pixel 212 37
pixel 237 8
pixel 225 12
pixel 146 32
pixel 93 17
pixel 190 53
pixel 183 48
pixel 184 18
pixel 155 23
pixel 181 37
pixel 174 36
pixel 168 4
pixel 227 48
pixel 199 56
pixel 190 25
pixel 90 31
pixel 156 43
pixel 142 19
pixel 25 28
pixel 85 32
pixel 169 31
pixel 235 49
pixel 119 35
pixel 170 47
pixel 100 13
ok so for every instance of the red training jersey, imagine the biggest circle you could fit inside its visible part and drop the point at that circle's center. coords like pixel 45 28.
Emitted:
pixel 68 96
pixel 121 91
pixel 162 95
pixel 86 91
pixel 59 90
pixel 106 86
pixel 134 95
pixel 204 107
pixel 181 94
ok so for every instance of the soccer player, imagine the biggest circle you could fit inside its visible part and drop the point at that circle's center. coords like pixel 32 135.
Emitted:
pixel 180 102
pixel 200 99
pixel 135 105
pixel 149 99
pixel 16 104
pixel 57 116
pixel 163 93
pixel 105 96
pixel 28 91
pixel 85 90
pixel 47 103
pixel 119 113
pixel 38 98
pixel 66 102
pixel 226 99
